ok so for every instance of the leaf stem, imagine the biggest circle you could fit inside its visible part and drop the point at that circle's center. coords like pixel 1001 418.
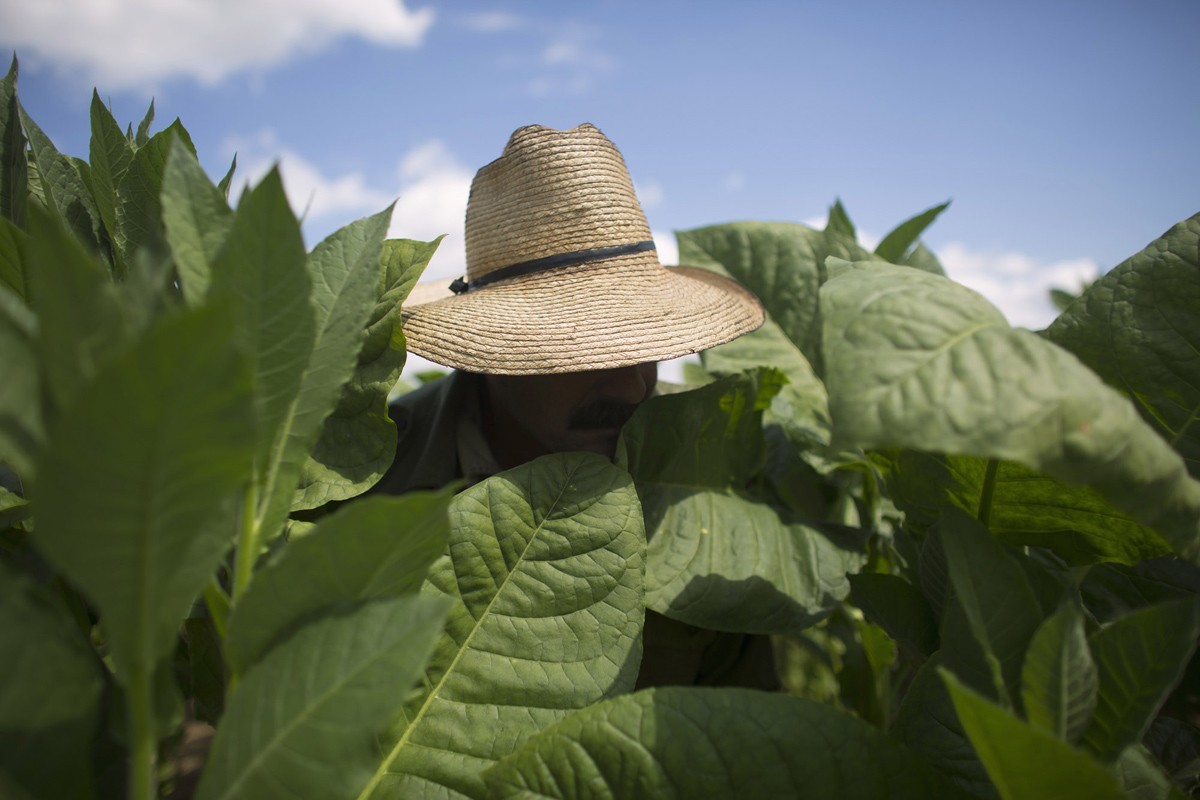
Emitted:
pixel 247 549
pixel 989 488
pixel 144 746
pixel 218 605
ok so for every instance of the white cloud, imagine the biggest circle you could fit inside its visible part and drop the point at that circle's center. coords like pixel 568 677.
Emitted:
pixel 430 191
pixel 1016 283
pixel 570 63
pixel 735 181
pixel 649 194
pixel 432 201
pixel 490 21
pixel 667 247
pixel 139 42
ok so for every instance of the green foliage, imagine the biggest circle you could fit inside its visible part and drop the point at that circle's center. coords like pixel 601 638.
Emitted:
pixel 675 743
pixel 974 548
pixel 1024 762
pixel 1138 327
pixel 545 569
pixel 722 557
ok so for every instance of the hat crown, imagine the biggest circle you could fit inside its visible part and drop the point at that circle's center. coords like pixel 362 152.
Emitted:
pixel 550 193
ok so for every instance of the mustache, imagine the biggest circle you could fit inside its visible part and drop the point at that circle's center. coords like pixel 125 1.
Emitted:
pixel 601 415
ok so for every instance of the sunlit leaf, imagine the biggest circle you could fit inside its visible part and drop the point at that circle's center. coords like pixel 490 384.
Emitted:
pixel 358 439
pixel 50 688
pixel 1139 658
pixel 915 360
pixel 1024 762
pixel 1139 328
pixel 545 566
pixel 713 743
pixel 196 218
pixel 375 548
pixel 13 175
pixel 20 399
pixel 65 186
pixel 1058 679
pixel 79 314
pixel 304 720
pixel 719 558
pixel 897 243
pixel 128 499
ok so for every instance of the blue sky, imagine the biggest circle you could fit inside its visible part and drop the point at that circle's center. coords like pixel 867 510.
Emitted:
pixel 1065 133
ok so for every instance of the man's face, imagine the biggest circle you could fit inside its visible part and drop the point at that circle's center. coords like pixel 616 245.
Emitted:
pixel 532 415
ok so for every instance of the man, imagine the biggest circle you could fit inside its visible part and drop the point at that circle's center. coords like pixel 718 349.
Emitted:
pixel 554 334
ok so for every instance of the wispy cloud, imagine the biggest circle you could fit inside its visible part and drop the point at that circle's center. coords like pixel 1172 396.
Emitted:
pixel 569 61
pixel 490 21
pixel 650 194
pixel 1016 283
pixel 141 42
pixel 430 191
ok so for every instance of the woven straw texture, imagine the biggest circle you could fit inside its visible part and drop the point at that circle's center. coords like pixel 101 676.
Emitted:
pixel 551 193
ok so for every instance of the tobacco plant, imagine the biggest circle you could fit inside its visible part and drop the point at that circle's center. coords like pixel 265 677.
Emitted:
pixel 974 547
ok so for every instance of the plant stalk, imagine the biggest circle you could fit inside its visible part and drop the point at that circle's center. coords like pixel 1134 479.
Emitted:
pixel 989 488
pixel 143 743
pixel 247 548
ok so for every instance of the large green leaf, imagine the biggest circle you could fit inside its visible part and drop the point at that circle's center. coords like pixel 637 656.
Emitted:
pixel 262 270
pixel 923 258
pixel 139 223
pixel 545 564
pixel 898 607
pixel 1143 778
pixel 915 360
pixel 50 685
pixel 928 724
pixel 897 244
pixel 196 219
pixel 1024 762
pixel 345 271
pixel 1139 657
pixel 135 474
pixel 801 408
pixel 1026 508
pixel 64 184
pixel 12 267
pixel 782 263
pixel 110 153
pixel 13 175
pixel 1058 679
pixel 20 391
pixel 358 440
pixel 713 743
pixel 79 314
pixel 1139 328
pixel 304 720
pixel 992 596
pixel 839 222
pixel 718 557
pixel 377 547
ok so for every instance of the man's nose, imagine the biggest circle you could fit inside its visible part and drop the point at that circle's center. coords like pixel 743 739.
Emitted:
pixel 631 384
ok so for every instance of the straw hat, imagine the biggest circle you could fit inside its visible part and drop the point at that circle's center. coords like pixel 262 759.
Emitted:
pixel 562 275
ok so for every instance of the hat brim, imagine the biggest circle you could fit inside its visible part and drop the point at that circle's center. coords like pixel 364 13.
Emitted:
pixel 615 313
